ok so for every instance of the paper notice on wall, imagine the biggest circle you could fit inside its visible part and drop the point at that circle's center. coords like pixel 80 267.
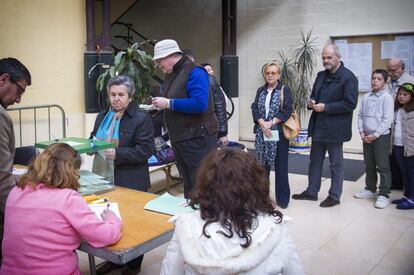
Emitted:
pixel 409 61
pixel 358 58
pixel 342 45
pixel 388 49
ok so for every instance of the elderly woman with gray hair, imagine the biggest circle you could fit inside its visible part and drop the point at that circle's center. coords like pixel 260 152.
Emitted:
pixel 132 132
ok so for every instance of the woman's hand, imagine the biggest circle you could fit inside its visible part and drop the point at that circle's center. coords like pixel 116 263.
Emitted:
pixel 108 214
pixel 268 133
pixel 110 154
pixel 265 125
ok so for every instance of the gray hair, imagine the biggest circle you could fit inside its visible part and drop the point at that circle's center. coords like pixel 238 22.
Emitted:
pixel 334 47
pixel 122 80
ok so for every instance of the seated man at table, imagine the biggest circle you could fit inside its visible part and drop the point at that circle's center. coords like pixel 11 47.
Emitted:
pixel 46 218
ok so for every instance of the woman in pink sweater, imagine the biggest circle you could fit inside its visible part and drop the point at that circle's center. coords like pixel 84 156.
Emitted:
pixel 46 219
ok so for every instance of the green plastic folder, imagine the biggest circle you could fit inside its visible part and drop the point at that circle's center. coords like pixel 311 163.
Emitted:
pixel 81 145
pixel 168 204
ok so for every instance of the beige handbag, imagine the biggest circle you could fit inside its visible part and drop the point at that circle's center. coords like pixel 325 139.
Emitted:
pixel 291 127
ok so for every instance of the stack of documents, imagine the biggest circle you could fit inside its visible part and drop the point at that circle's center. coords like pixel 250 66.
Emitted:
pixel 168 204
pixel 91 183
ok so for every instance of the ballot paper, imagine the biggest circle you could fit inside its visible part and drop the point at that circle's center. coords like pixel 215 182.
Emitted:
pixel 99 208
pixel 274 137
pixel 168 204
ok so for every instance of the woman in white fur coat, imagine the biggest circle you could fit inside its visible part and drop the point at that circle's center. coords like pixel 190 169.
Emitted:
pixel 235 228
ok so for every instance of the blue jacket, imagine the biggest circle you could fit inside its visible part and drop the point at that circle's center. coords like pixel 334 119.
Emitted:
pixel 339 92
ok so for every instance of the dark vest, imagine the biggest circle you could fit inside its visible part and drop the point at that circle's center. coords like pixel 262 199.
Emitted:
pixel 183 126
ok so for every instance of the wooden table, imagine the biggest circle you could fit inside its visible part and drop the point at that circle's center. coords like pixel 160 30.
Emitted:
pixel 142 230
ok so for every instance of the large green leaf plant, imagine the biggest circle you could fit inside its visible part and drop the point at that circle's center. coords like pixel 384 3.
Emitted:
pixel 137 65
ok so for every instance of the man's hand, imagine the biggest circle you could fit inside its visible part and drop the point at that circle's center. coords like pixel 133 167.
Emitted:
pixel 223 141
pixel 320 107
pixel 311 102
pixel 161 103
pixel 369 138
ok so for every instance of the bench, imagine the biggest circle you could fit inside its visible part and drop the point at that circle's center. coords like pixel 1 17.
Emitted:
pixel 169 178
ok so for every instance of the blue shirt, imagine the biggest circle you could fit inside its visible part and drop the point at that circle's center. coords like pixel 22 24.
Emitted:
pixel 198 92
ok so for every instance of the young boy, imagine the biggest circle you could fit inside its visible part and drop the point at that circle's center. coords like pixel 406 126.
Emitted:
pixel 374 123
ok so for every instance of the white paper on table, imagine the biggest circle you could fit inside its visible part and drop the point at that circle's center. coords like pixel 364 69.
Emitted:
pixel 99 208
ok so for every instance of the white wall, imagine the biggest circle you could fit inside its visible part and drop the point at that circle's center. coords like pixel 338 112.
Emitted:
pixel 195 25
pixel 49 38
pixel 267 26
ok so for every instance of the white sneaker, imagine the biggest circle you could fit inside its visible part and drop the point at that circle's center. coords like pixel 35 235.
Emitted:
pixel 365 194
pixel 382 202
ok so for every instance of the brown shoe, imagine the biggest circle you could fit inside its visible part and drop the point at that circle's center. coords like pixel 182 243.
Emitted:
pixel 329 202
pixel 304 196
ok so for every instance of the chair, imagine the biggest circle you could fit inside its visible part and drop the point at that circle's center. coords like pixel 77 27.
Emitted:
pixel 24 155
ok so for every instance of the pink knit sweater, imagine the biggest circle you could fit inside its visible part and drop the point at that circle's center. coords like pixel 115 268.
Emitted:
pixel 43 228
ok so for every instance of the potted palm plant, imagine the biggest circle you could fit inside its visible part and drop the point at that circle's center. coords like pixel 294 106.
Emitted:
pixel 136 64
pixel 297 73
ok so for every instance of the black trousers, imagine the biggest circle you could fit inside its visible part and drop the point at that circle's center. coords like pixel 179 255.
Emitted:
pixel 282 190
pixel 397 181
pixel 188 156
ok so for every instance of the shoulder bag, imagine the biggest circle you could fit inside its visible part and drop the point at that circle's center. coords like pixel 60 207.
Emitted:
pixel 291 127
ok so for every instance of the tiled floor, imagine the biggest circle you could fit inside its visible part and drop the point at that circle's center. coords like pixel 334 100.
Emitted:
pixel 352 238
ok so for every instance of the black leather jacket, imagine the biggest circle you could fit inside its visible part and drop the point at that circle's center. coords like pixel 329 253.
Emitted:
pixel 219 106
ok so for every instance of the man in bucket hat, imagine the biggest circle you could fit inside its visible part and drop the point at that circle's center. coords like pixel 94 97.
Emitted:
pixel 189 111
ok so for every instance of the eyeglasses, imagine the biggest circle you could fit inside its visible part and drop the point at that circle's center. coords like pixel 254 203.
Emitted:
pixel 20 89
pixel 394 69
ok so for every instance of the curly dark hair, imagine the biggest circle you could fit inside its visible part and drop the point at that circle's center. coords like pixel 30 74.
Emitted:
pixel 232 188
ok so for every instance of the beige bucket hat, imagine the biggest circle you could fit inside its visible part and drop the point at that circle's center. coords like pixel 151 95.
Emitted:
pixel 164 48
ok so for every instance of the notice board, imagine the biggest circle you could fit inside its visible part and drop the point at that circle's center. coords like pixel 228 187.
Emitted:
pixel 376 43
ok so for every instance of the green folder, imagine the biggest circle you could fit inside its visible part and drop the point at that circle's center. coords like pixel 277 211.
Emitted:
pixel 168 204
pixel 81 145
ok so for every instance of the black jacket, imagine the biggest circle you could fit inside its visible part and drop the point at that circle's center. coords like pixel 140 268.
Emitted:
pixel 339 92
pixel 283 113
pixel 219 106
pixel 136 145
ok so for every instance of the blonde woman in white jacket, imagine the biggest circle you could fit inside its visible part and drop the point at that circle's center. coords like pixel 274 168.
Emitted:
pixel 236 228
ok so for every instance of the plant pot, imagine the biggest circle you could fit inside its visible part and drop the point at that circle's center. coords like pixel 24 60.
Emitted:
pixel 301 142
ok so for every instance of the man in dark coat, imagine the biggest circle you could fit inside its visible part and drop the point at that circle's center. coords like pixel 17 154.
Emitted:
pixel 333 99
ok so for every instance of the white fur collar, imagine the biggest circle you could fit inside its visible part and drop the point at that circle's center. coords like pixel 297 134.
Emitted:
pixel 209 255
